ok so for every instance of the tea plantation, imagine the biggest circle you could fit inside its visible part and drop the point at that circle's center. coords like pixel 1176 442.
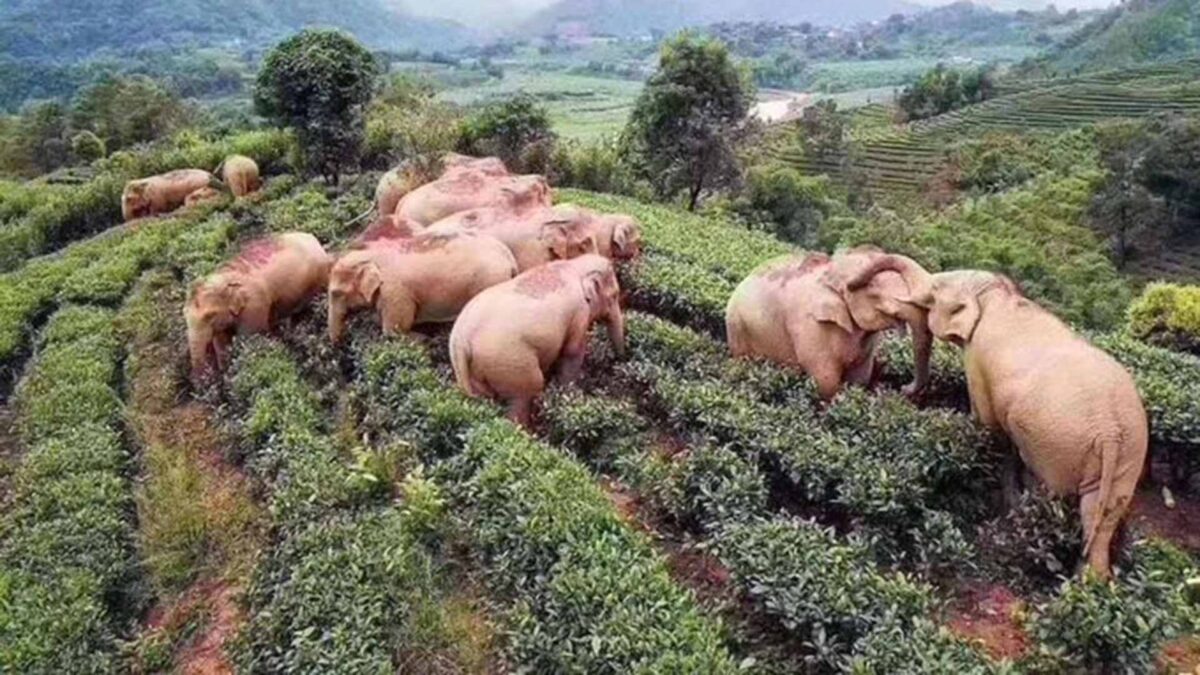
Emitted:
pixel 348 510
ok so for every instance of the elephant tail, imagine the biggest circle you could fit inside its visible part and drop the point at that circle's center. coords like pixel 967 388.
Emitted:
pixel 460 360
pixel 1110 453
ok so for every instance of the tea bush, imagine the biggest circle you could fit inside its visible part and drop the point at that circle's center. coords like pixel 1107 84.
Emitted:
pixel 1168 315
pixel 67 566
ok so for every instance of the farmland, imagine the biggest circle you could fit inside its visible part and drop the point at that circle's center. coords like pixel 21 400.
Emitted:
pixel 349 510
pixel 903 158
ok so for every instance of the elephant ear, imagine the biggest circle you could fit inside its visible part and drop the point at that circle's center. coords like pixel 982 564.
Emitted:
pixel 236 298
pixel 369 281
pixel 554 234
pixel 593 290
pixel 622 233
pixel 831 309
pixel 958 324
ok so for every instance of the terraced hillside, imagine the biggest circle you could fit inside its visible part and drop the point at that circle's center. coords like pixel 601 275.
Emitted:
pixel 904 157
pixel 348 510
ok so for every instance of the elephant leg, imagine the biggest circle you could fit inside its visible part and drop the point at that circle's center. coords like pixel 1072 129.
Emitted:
pixel 863 373
pixel 397 313
pixel 220 345
pixel 1010 479
pixel 570 364
pixel 520 411
pixel 1099 549
pixel 828 378
pixel 735 334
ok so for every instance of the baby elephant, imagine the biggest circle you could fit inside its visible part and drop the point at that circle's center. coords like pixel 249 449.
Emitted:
pixel 1072 411
pixel 269 279
pixel 240 173
pixel 424 279
pixel 509 338
pixel 164 193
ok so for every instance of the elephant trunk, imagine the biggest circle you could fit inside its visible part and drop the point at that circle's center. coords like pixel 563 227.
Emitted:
pixel 918 280
pixel 616 331
pixel 199 341
pixel 337 321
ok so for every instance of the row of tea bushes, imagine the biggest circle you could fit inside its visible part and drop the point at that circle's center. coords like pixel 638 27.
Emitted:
pixel 101 270
pixel 346 576
pixel 67 565
pixel 1168 314
pixel 63 215
pixel 817 589
pixel 586 593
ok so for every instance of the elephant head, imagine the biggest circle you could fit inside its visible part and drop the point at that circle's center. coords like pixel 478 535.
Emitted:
pixel 135 203
pixel 211 314
pixel 354 283
pixel 956 302
pixel 526 192
pixel 565 238
pixel 603 295
pixel 875 300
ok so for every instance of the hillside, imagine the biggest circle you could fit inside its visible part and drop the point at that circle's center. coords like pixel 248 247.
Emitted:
pixel 636 17
pixel 1133 33
pixel 56 30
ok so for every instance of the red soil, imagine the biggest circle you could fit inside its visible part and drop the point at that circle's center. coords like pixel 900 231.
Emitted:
pixel 1180 525
pixel 988 614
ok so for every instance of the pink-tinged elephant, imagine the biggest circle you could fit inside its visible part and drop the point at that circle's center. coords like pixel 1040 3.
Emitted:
pixel 454 163
pixel 799 311
pixel 510 337
pixel 1071 410
pixel 427 278
pixel 470 190
pixel 269 279
pixel 387 227
pixel 240 173
pixel 618 237
pixel 164 193
pixel 535 237
pixel 205 195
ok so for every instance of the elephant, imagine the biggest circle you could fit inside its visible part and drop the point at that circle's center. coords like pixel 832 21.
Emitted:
pixel 164 193
pixel 499 350
pixel 453 163
pixel 423 279
pixel 798 311
pixel 205 195
pixel 387 227
pixel 1072 411
pixel 403 179
pixel 535 237
pixel 270 279
pixel 618 237
pixel 467 189
pixel 240 173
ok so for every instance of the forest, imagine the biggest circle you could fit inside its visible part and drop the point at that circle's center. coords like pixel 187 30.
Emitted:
pixel 304 498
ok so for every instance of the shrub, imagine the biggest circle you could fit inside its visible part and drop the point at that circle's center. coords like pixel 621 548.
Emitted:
pixel 66 561
pixel 790 204
pixel 1116 626
pixel 1168 315
pixel 87 147
pixel 1036 543
pixel 506 129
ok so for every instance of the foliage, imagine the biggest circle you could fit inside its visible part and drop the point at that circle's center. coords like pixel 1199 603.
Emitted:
pixel 789 203
pixel 506 129
pixel 124 112
pixel 67 564
pixel 1037 542
pixel 942 89
pixel 1001 160
pixel 319 83
pixel 1116 626
pixel 405 121
pixel 683 130
pixel 1169 315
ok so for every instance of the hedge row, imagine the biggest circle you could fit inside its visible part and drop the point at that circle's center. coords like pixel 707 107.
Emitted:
pixel 67 562
pixel 101 270
pixel 346 575
pixel 586 592
pixel 1168 314
pixel 63 215
pixel 821 591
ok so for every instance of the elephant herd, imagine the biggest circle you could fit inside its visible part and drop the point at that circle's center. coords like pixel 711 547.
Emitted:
pixel 167 192
pixel 524 281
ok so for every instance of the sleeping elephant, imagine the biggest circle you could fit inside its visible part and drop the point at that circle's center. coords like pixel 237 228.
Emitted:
pixel 240 173
pixel 535 237
pixel 453 163
pixel 205 195
pixel 798 311
pixel 497 351
pixel 269 279
pixel 1072 411
pixel 467 190
pixel 396 183
pixel 424 279
pixel 164 193
pixel 387 227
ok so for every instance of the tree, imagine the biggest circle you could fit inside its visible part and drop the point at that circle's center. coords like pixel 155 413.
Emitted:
pixel 942 89
pixel 319 83
pixel 125 111
pixel 1124 209
pixel 506 129
pixel 685 125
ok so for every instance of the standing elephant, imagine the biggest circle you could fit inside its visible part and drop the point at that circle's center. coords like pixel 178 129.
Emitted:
pixel 618 237
pixel 535 237
pixel 798 311
pixel 164 193
pixel 240 173
pixel 269 279
pixel 467 190
pixel 507 340
pixel 425 279
pixel 1072 411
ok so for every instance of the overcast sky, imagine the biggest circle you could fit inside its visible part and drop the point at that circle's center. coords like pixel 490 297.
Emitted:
pixel 498 13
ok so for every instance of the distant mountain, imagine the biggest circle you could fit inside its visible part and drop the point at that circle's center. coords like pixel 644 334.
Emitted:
pixel 638 17
pixel 73 29
pixel 1138 31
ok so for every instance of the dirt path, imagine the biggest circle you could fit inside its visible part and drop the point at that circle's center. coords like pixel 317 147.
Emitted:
pixel 989 615
pixel 11 450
